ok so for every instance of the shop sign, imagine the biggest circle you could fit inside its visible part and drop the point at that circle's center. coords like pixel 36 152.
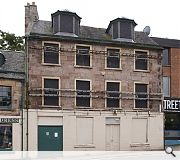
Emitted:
pixel 172 105
pixel 9 120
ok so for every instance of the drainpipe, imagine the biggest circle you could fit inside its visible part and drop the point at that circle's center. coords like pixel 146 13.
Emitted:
pixel 27 91
pixel 22 115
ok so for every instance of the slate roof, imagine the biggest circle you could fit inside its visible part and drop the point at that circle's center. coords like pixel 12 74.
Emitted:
pixel 45 27
pixel 14 66
pixel 165 42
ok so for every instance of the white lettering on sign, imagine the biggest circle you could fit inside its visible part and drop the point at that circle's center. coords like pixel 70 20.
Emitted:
pixel 172 104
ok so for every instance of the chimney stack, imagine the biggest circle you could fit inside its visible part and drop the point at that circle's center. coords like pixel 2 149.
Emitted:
pixel 31 16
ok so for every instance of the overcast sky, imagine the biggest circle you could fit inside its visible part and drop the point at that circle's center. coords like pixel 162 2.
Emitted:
pixel 163 16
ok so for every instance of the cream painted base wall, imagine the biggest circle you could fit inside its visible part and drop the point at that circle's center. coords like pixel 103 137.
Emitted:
pixel 68 119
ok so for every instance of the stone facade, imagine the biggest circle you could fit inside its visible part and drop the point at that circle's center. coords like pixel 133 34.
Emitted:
pixel 98 74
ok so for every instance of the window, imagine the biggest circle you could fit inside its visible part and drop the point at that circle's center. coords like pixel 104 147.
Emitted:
pixel 113 58
pixel 141 95
pixel 141 60
pixel 51 92
pixel 139 132
pixel 84 130
pixel 112 94
pixel 166 86
pixel 83 93
pixel 51 53
pixel 5 137
pixel 5 97
pixel 82 56
pixel 165 57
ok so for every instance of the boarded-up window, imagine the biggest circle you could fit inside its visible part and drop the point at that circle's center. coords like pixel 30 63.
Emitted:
pixel 141 60
pixel 51 53
pixel 141 98
pixel 113 94
pixel 84 130
pixel 139 131
pixel 51 92
pixel 82 93
pixel 166 57
pixel 82 56
pixel 166 86
pixel 113 58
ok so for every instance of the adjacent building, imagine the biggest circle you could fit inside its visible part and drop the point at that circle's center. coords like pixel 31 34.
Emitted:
pixel 171 89
pixel 91 88
pixel 12 77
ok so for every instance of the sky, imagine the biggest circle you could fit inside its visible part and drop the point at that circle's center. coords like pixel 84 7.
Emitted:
pixel 163 16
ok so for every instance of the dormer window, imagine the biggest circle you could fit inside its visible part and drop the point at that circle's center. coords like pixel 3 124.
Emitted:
pixel 122 29
pixel 66 23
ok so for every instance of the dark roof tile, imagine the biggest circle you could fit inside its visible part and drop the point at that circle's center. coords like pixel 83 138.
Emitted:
pixel 45 27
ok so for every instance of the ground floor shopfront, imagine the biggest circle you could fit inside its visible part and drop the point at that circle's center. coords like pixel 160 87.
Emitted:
pixel 92 130
pixel 172 122
pixel 10 133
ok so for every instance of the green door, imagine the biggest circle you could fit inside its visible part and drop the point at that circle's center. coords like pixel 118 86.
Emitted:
pixel 50 138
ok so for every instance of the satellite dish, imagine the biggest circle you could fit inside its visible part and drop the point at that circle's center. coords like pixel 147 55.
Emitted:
pixel 2 59
pixel 147 30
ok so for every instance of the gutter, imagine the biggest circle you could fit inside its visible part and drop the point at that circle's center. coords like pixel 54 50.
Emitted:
pixel 92 41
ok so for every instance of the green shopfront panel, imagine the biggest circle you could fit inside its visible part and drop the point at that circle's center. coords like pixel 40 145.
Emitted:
pixel 50 138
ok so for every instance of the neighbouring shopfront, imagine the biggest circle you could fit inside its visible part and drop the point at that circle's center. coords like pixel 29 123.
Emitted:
pixel 10 134
pixel 172 122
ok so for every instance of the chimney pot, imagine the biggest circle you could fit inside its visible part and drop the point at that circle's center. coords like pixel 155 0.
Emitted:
pixel 33 3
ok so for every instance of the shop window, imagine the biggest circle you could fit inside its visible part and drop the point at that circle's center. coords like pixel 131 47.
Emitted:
pixel 82 56
pixel 113 94
pixel 166 57
pixel 172 121
pixel 113 58
pixel 141 60
pixel 5 137
pixel 83 93
pixel 51 53
pixel 5 97
pixel 166 86
pixel 141 96
pixel 51 92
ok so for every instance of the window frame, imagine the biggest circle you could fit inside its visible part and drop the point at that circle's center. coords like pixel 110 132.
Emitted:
pixel 169 58
pixel 169 86
pixel 57 78
pixel 112 81
pixel 83 107
pixel 147 84
pixel 90 55
pixel 141 70
pixel 6 108
pixel 43 56
pixel 106 56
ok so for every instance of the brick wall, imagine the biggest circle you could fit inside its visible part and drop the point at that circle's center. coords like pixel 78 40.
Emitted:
pixel 175 72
